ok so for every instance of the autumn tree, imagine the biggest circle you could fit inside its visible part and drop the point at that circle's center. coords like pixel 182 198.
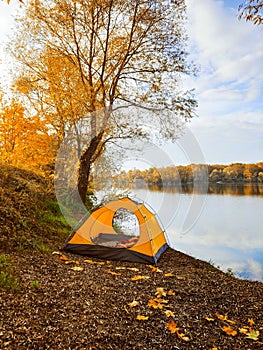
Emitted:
pixel 86 62
pixel 24 140
pixel 252 10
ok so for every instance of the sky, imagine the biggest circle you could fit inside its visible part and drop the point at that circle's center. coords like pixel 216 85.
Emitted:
pixel 229 88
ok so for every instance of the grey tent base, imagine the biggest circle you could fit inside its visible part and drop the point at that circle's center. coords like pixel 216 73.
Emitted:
pixel 109 253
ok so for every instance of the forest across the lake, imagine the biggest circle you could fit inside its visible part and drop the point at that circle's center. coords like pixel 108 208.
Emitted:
pixel 173 175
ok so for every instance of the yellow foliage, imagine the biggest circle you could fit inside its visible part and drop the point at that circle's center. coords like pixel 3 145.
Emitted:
pixel 25 141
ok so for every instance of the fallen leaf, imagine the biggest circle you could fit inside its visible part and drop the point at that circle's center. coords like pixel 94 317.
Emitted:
pixel 132 268
pixel 159 300
pixel 63 257
pixel 142 318
pixel 171 292
pixel 160 292
pixel 169 313
pixel 89 261
pixel 154 268
pixel 67 262
pixel 171 326
pixel 169 274
pixel 229 330
pixel 225 318
pixel 133 303
pixel 114 273
pixel 138 277
pixel 230 321
pixel 182 336
pixel 243 330
pixel 221 317
pixel 120 268
pixel 77 268
pixel 252 334
pixel 153 303
pixel 209 319
pixel 251 322
pixel 214 349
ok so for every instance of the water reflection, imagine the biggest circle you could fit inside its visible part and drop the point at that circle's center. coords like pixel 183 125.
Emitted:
pixel 199 188
pixel 228 230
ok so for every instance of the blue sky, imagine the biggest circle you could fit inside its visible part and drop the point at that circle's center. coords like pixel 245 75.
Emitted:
pixel 229 86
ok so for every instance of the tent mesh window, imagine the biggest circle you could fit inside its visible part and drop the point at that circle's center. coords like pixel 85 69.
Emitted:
pixel 126 224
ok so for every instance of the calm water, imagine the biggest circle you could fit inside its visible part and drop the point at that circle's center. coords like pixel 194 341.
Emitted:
pixel 223 226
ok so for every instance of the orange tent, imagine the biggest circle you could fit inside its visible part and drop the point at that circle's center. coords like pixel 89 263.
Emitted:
pixel 96 237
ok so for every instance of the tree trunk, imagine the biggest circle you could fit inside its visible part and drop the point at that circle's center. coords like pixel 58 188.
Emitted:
pixel 86 160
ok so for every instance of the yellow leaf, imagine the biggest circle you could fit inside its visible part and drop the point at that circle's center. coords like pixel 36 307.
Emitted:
pixel 221 317
pixel 171 326
pixel 243 330
pixel 230 321
pixel 154 268
pixel 133 303
pixel 169 313
pixel 142 318
pixel 229 330
pixel 138 277
pixel 77 268
pixel 183 336
pixel 132 268
pixel 160 292
pixel 164 301
pixel 63 257
pixel 114 273
pixel 214 348
pixel 210 319
pixel 171 292
pixel 120 268
pixel 251 322
pixel 225 318
pixel 252 334
pixel 169 274
pixel 153 303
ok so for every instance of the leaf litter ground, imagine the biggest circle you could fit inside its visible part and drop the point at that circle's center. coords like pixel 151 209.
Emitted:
pixel 73 302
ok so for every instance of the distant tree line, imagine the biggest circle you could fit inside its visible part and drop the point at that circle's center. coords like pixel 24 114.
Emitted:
pixel 172 175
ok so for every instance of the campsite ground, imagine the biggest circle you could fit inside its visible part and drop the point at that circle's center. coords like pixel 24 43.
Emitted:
pixel 51 301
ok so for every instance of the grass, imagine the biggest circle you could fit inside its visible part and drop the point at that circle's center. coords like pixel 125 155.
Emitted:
pixel 52 214
pixel 35 284
pixel 8 280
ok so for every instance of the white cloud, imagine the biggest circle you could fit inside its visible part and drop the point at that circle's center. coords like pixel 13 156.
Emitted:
pixel 229 48
pixel 229 86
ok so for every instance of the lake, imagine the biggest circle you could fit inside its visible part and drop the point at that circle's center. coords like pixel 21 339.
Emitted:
pixel 223 226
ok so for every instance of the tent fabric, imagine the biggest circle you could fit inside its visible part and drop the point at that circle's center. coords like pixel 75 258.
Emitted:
pixel 96 237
